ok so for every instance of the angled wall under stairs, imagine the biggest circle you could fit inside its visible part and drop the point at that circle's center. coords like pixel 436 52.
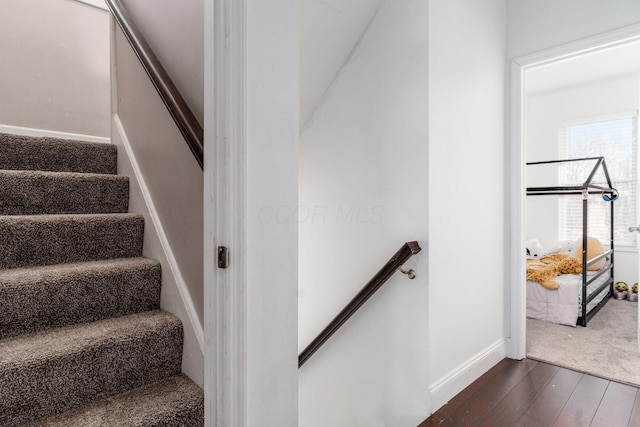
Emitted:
pixel 83 340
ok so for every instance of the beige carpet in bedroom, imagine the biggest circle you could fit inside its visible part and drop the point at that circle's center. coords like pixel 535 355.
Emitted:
pixel 607 347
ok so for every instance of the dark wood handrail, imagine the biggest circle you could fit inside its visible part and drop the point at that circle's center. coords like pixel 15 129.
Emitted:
pixel 404 253
pixel 187 123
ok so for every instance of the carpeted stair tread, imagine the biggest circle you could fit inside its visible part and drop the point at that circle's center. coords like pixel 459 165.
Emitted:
pixel 37 192
pixel 54 154
pixel 30 240
pixel 45 297
pixel 46 373
pixel 172 402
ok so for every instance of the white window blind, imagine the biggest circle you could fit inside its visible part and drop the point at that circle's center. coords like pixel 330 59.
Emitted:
pixel 616 141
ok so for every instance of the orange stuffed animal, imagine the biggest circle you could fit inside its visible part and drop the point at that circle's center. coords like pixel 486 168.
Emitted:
pixel 594 249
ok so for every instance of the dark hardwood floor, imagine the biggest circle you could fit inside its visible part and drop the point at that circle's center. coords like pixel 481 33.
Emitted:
pixel 527 393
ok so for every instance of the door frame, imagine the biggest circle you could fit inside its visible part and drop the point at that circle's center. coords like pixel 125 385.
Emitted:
pixel 517 156
pixel 224 213
pixel 251 131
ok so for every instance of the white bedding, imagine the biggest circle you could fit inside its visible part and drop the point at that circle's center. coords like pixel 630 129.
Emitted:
pixel 562 305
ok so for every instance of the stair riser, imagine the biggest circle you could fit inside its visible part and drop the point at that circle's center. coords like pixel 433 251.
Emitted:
pixel 58 155
pixel 27 193
pixel 52 302
pixel 41 240
pixel 52 386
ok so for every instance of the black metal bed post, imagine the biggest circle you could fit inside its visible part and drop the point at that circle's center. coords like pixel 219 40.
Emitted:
pixel 585 207
pixel 612 221
pixel 612 243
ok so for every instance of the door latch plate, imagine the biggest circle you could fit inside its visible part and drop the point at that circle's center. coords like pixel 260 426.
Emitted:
pixel 223 257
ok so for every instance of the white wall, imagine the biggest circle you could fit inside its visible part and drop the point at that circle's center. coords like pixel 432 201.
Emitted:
pixel 172 184
pixel 173 176
pixel 170 297
pixel 95 3
pixel 364 192
pixel 467 232
pixel 272 137
pixel 543 24
pixel 546 113
pixel 330 30
pixel 175 32
pixel 55 66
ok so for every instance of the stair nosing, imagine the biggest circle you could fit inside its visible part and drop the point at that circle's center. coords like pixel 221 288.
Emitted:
pixel 22 346
pixel 63 216
pixel 179 383
pixel 109 176
pixel 67 266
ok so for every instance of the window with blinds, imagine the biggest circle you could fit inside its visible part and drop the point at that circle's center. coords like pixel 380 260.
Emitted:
pixel 616 141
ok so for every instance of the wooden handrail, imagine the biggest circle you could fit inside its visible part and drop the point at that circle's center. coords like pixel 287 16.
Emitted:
pixel 404 253
pixel 178 108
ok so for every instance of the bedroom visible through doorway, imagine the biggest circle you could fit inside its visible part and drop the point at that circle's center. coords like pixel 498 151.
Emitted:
pixel 583 107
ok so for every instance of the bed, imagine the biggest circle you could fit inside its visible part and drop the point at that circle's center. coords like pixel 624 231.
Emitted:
pixel 579 296
pixel 564 305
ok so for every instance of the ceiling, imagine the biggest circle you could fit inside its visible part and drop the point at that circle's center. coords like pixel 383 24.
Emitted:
pixel 610 63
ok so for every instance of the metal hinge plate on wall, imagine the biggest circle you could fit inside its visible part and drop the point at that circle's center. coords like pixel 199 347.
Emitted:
pixel 223 257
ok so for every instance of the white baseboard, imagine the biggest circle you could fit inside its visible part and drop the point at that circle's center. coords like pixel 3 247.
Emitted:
pixel 22 131
pixel 187 301
pixel 457 380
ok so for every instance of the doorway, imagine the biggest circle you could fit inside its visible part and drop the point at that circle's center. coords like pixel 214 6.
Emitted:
pixel 555 94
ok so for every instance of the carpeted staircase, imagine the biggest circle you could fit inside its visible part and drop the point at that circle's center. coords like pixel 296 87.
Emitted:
pixel 83 341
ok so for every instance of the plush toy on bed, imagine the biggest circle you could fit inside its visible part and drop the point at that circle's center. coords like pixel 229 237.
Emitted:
pixel 594 249
pixel 545 270
pixel 561 246
pixel 534 248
